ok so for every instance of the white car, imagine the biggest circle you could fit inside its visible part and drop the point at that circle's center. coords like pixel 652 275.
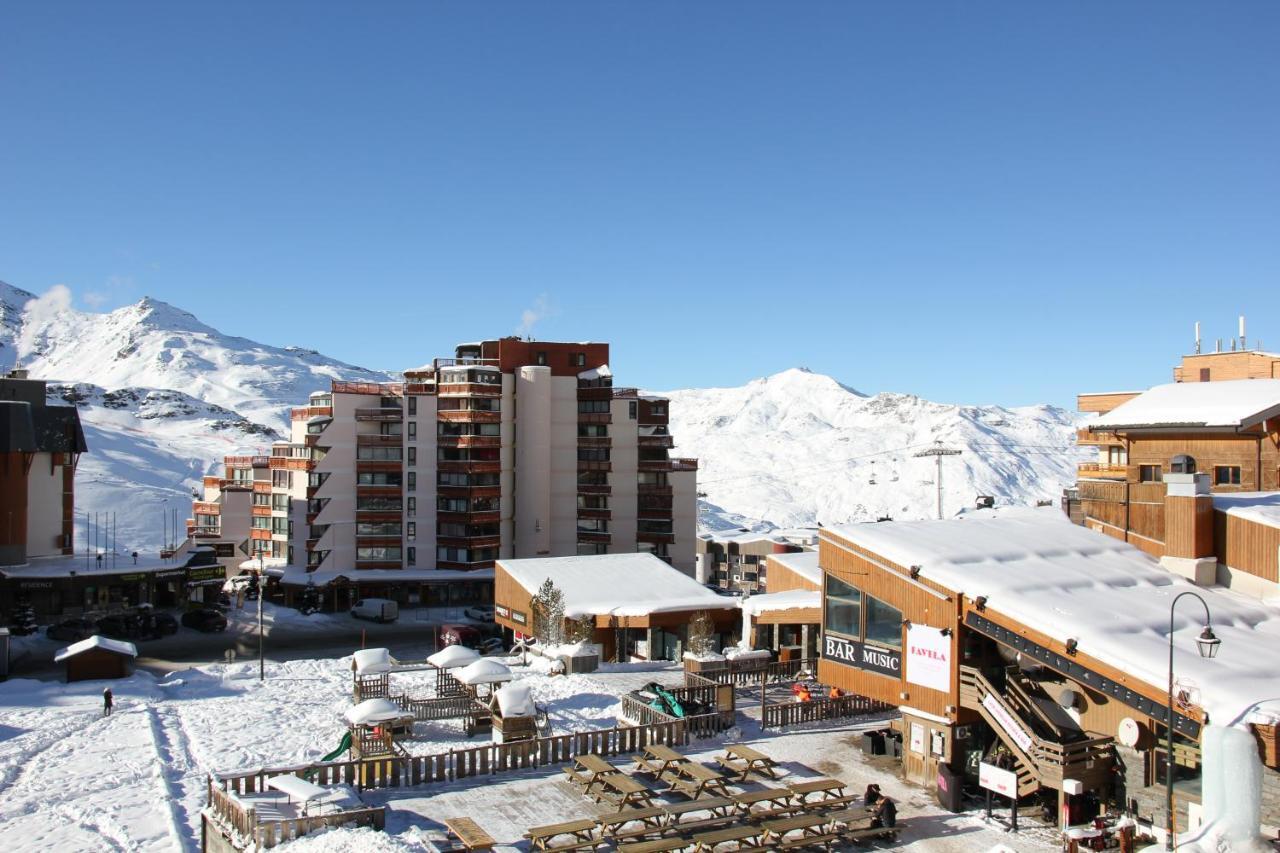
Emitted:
pixel 376 609
pixel 480 612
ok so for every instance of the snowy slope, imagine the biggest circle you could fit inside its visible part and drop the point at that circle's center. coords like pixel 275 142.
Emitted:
pixel 798 448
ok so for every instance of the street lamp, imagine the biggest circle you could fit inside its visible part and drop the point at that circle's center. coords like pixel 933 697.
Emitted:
pixel 1208 644
pixel 262 593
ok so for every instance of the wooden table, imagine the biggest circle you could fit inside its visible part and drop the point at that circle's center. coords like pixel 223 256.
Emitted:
pixel 779 800
pixel 708 841
pixel 582 833
pixel 658 845
pixel 468 833
pixel 651 819
pixel 623 791
pixel 597 769
pixel 826 789
pixel 697 779
pixel 811 827
pixel 742 760
pixel 718 806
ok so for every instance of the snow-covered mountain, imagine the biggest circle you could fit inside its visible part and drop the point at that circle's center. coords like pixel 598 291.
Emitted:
pixel 164 397
pixel 798 448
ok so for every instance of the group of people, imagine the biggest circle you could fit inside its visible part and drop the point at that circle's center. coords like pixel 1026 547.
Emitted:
pixel 804 692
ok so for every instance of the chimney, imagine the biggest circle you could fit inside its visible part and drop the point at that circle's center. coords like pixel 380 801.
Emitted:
pixel 1243 343
pixel 1188 523
pixel 1197 337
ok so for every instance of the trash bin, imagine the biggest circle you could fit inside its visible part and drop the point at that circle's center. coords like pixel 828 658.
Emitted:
pixel 873 743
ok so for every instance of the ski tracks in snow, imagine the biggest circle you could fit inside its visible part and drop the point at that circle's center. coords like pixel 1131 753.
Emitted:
pixel 180 778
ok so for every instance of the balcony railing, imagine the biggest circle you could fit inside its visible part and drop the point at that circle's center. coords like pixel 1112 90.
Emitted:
pixel 593 489
pixel 382 389
pixel 1100 471
pixel 1085 437
pixel 290 463
pixel 468 416
pixel 469 389
pixel 378 440
pixel 381 413
pixel 305 413
pixel 595 418
pixel 469 441
pixel 241 461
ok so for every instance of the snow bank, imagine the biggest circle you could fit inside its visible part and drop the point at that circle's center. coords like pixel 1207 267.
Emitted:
pixel 1258 507
pixel 515 700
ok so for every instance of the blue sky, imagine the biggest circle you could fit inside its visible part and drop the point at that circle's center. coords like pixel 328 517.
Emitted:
pixel 972 202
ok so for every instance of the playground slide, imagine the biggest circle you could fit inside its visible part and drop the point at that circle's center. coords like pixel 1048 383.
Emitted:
pixel 343 746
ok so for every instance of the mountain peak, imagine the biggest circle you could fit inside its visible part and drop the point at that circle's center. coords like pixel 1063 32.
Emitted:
pixel 803 377
pixel 159 314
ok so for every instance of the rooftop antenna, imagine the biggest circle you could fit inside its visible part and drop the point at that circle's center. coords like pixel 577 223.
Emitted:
pixel 1244 345
pixel 1197 337
pixel 937 452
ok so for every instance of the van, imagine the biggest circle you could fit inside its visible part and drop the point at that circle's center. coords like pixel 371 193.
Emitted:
pixel 376 609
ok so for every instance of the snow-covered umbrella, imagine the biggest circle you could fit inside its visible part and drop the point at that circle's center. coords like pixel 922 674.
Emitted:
pixel 452 657
pixel 484 671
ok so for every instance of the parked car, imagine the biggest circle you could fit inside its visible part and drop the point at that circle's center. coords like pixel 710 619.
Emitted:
pixel 205 619
pixel 376 609
pixel 480 612
pixel 118 626
pixel 72 629
pixel 492 646
pixel 163 624
pixel 460 635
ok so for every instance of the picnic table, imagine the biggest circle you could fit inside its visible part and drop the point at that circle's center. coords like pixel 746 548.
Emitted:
pixel 779 800
pixel 469 833
pixel 622 790
pixel 743 760
pixel 595 770
pixel 717 807
pixel 824 790
pixel 582 835
pixel 650 819
pixel 659 760
pixel 813 829
pixel 708 841
pixel 695 779
pixel 657 845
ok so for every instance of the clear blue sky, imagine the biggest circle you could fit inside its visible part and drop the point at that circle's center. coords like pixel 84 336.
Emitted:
pixel 973 202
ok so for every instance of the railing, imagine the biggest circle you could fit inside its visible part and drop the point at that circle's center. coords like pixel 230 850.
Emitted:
pixel 381 413
pixel 442 708
pixel 303 413
pixel 753 671
pixel 382 389
pixel 684 464
pixel 240 461
pixel 1087 436
pixel 779 714
pixel 1099 470
pixel 698 725
pixel 270 834
pixel 206 508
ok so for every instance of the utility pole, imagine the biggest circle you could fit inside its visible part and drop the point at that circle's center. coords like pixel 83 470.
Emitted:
pixel 262 593
pixel 937 452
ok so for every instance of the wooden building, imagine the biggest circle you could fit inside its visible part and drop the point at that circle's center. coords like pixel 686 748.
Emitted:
pixel 641 605
pixel 1014 635
pixel 97 657
pixel 787 618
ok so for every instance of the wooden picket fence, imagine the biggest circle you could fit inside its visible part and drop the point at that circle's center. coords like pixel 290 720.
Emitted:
pixel 445 708
pixel 752 672
pixel 776 715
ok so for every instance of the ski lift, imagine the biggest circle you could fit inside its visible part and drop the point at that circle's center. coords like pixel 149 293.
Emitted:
pixel 894 478
pixel 872 481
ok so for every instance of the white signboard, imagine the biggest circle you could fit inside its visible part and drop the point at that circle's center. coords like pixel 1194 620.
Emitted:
pixel 1011 726
pixel 917 738
pixel 928 658
pixel 1000 781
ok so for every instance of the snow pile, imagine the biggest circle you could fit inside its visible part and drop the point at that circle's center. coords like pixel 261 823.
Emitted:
pixel 515 700
pixel 452 657
pixel 628 584
pixel 798 448
pixel 372 661
pixel 793 598
pixel 1230 403
pixel 484 671
pixel 804 564
pixel 1258 507
pixel 372 711
pixel 120 647
pixel 1114 600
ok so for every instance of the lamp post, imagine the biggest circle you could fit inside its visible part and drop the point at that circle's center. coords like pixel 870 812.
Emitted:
pixel 261 594
pixel 1208 645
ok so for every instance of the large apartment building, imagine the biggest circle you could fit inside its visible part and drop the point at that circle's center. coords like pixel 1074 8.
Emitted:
pixel 508 449
pixel 39 447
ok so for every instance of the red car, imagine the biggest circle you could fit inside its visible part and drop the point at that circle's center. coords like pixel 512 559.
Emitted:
pixel 460 635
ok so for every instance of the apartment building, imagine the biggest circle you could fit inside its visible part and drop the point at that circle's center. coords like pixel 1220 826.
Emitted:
pixel 39 447
pixel 234 516
pixel 737 560
pixel 1216 431
pixel 509 448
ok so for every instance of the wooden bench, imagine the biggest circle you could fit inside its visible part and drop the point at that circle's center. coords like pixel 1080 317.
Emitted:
pixel 469 833
pixel 651 820
pixel 658 845
pixel 708 841
pixel 779 802
pixel 645 765
pixel 858 836
pixel 576 778
pixel 582 836
pixel 813 830
pixel 743 760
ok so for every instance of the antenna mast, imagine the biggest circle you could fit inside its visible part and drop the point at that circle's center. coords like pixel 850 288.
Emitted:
pixel 937 452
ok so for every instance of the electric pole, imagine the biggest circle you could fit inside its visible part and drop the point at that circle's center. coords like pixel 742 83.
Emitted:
pixel 937 452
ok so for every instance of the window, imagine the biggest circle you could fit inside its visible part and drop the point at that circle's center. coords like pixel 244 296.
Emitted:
pixel 593 431
pixel 280 502
pixel 389 503
pixel 593 525
pixel 658 409
pixel 1204 374
pixel 413 427
pixel 377 528
pixel 631 409
pixel 586 549
pixel 542 359
pixel 412 553
pixel 593 454
pixel 379 454
pixel 413 410
pixel 1150 474
pixel 884 624
pixel 280 526
pixel 411 528
pixel 262 499
pixel 1226 475
pixel 843 608
pixel 393 428
pixel 261 522
pixel 1116 456
pixel 378 554
pixel 413 482
pixel 280 478
pixel 413 507
pixel 578 359
pixel 413 456
pixel 588 407
pixel 379 478
pixel 291 555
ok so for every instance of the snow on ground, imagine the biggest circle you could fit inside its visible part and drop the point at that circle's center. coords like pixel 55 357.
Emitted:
pixel 72 780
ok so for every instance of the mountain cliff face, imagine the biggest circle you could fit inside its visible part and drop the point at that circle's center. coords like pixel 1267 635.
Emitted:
pixel 164 397
pixel 799 449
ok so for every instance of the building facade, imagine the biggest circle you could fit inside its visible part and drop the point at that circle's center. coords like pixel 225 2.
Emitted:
pixel 509 448
pixel 738 559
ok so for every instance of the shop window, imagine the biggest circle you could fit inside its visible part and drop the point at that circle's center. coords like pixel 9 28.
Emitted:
pixel 1226 475
pixel 843 604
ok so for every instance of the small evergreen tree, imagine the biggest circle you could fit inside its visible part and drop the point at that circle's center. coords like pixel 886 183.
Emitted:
pixel 547 608
pixel 581 630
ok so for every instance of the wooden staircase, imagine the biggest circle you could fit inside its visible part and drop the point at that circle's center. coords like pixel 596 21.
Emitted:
pixel 1042 758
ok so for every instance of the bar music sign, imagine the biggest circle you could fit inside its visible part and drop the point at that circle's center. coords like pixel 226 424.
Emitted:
pixel 855 653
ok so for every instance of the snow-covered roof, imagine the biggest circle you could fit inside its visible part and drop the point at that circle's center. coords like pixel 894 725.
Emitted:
pixel 297 575
pixel 803 563
pixel 615 584
pixel 515 700
pixel 484 671
pixel 267 563
pixel 601 372
pixel 1258 507
pixel 1067 581
pixel 793 598
pixel 112 564
pixel 372 711
pixel 299 790
pixel 120 647
pixel 1233 403
pixel 452 657
pixel 372 661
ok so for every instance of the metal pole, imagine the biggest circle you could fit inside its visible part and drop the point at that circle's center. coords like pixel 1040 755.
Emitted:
pixel 262 666
pixel 1013 813
pixel 1168 759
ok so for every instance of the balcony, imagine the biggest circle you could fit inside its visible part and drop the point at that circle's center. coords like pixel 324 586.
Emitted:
pixel 594 537
pixel 246 461
pixel 385 466
pixel 455 564
pixel 373 516
pixel 206 508
pixel 372 490
pixel 1099 471
pixel 261 511
pixel 1086 438
pixel 290 463
pixel 605 514
pixel 468 389
pixel 378 440
pixel 389 413
pixel 651 489
pixel 594 465
pixel 378 564
pixel 666 441
pixel 452 467
pixel 469 491
pixel 468 416
pixel 488 541
pixel 462 441
pixel 595 441
pixel 595 418
pixel 655 465
pixel 488 516
pixel 306 413
pixel 260 535
pixel 585 489
pixel 660 538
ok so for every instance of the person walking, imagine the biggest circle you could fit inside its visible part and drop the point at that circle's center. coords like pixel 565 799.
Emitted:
pixel 107 701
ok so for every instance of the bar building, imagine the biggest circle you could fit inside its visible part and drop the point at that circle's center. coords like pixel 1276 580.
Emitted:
pixel 1014 632
pixel 507 449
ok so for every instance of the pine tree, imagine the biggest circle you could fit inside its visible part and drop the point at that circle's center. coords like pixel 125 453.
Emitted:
pixel 548 614
pixel 702 633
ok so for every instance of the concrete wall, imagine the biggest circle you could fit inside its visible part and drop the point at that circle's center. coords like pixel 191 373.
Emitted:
pixel 623 502
pixel 44 508
pixel 684 519
pixel 532 521
pixel 564 465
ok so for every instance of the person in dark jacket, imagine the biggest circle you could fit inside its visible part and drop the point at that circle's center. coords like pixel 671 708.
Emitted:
pixel 107 701
pixel 886 814
pixel 872 795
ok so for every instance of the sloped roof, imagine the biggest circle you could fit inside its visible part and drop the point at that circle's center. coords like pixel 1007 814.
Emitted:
pixel 119 647
pixel 1235 403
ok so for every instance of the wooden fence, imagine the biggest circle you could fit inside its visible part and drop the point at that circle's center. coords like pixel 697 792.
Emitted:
pixel 779 714
pixel 446 708
pixel 751 672
pixel 710 724
pixel 231 814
